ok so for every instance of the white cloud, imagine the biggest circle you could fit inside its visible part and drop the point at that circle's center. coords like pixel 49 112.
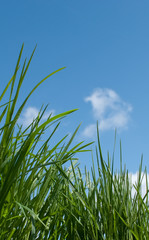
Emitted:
pixel 90 131
pixel 109 109
pixel 134 178
pixel 30 114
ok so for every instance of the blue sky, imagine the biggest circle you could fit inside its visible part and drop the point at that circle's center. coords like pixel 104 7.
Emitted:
pixel 105 48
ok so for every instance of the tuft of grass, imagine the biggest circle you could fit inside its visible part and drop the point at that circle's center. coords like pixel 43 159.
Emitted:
pixel 30 179
pixel 42 197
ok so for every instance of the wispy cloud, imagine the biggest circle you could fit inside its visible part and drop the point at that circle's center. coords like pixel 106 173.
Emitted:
pixel 90 131
pixel 30 114
pixel 109 109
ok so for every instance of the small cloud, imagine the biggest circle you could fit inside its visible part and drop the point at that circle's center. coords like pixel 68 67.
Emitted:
pixel 109 109
pixel 90 131
pixel 118 120
pixel 30 114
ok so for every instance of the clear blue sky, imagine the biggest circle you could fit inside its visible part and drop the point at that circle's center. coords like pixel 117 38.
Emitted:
pixel 105 48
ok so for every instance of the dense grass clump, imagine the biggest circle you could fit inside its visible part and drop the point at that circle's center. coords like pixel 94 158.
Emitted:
pixel 41 198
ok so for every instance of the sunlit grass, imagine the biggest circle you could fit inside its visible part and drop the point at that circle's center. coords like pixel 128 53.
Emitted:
pixel 43 198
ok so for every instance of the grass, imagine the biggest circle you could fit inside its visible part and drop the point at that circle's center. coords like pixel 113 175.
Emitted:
pixel 41 198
